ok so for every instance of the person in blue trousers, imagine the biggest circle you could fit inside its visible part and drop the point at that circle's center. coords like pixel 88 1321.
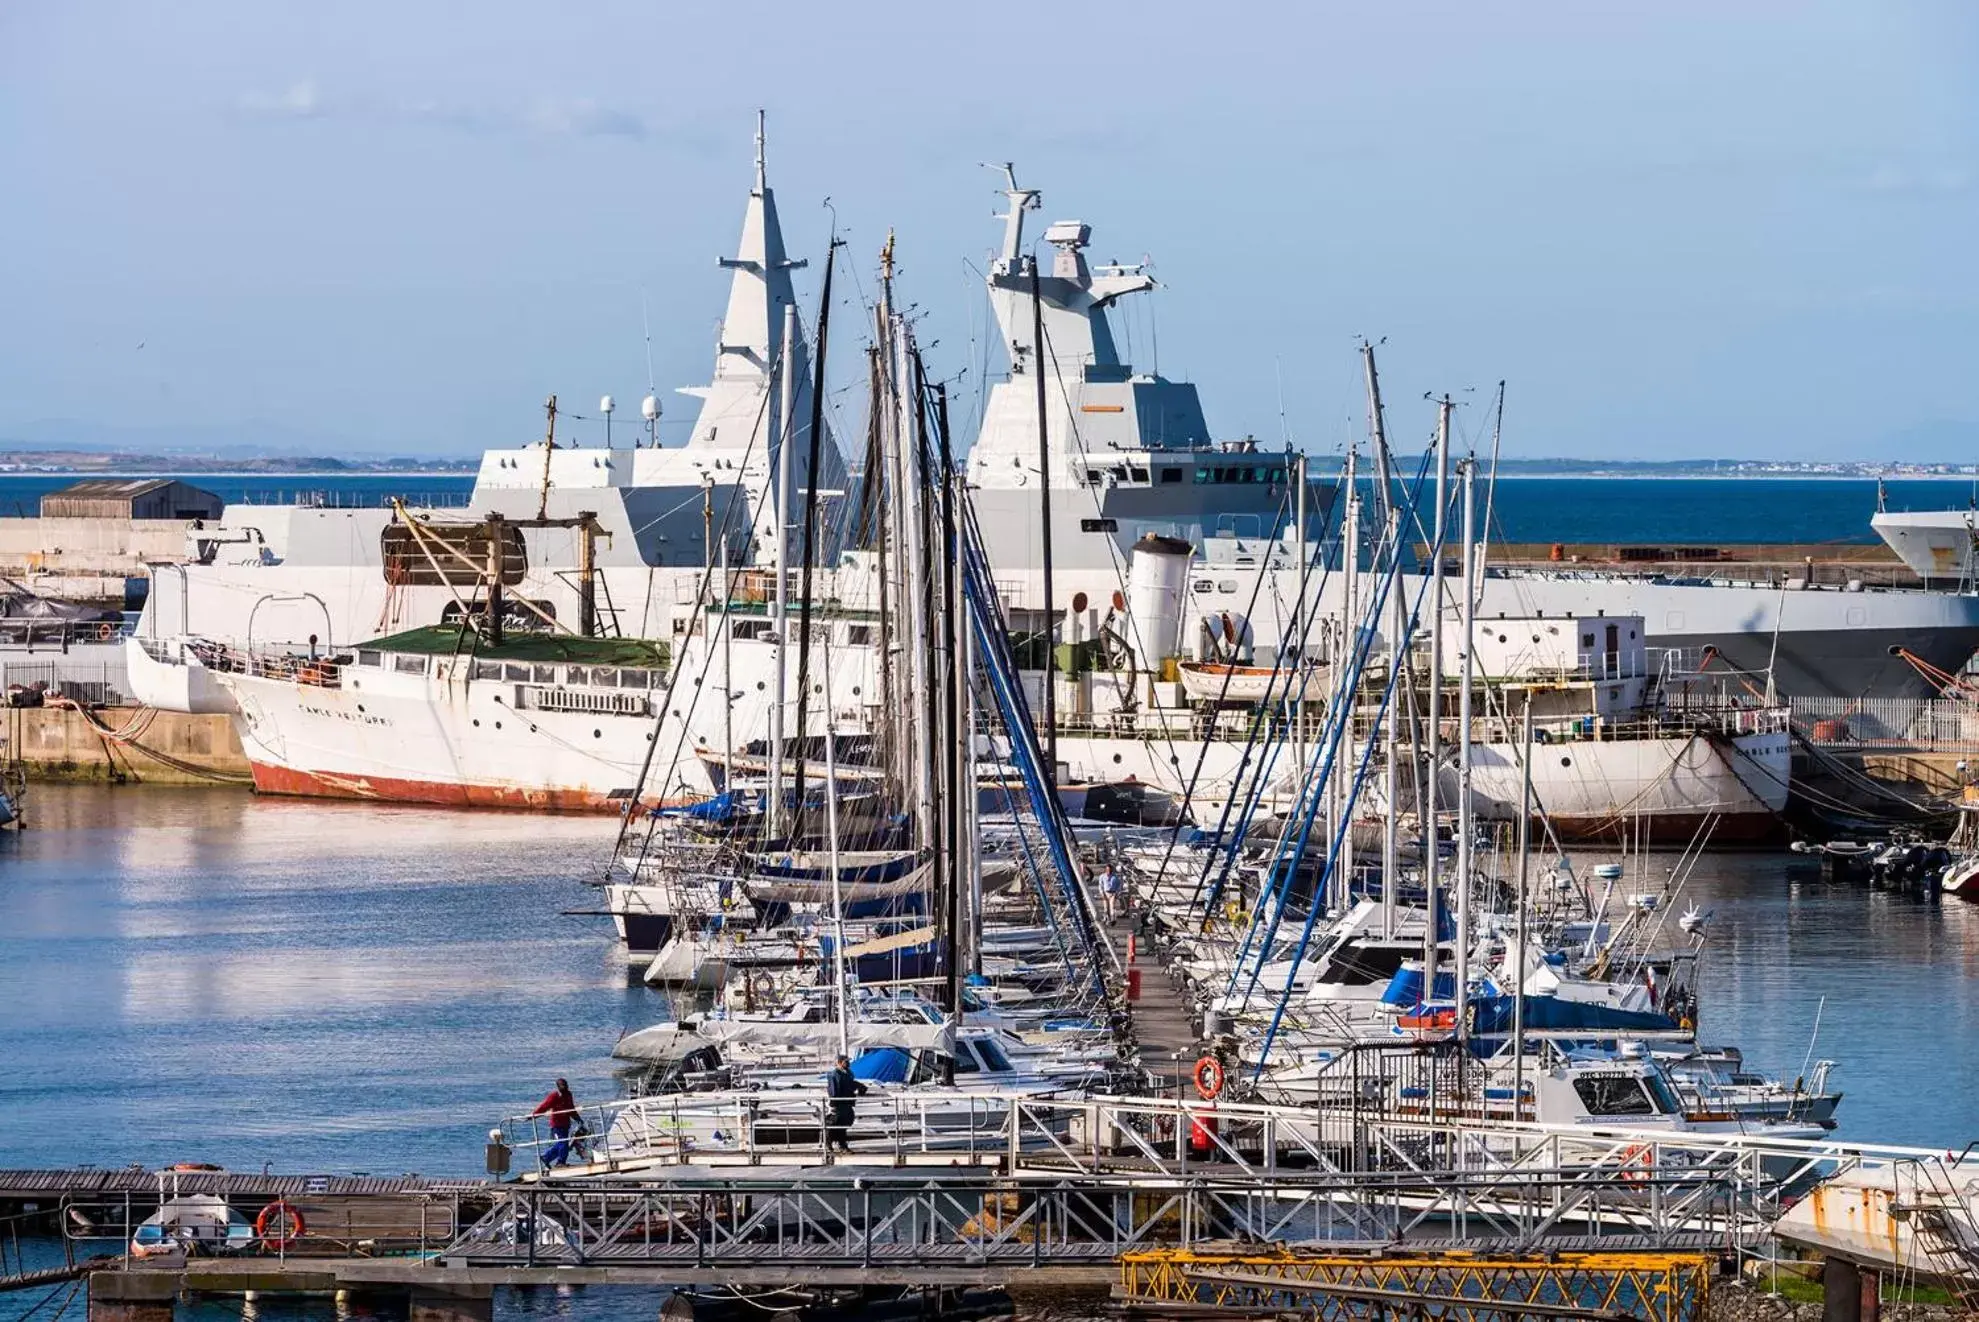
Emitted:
pixel 561 1109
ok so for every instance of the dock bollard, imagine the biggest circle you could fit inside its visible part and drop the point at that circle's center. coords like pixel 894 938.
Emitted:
pixel 497 1154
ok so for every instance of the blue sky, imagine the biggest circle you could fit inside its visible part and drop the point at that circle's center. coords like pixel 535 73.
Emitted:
pixel 1676 228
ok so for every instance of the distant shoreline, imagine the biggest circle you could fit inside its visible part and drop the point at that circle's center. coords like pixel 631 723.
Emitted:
pixel 1513 475
pixel 257 473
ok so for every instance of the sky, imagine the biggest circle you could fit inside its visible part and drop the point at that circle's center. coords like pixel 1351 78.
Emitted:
pixel 1675 229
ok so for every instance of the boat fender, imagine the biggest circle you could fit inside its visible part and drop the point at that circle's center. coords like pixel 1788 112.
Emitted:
pixel 279 1225
pixel 1209 1078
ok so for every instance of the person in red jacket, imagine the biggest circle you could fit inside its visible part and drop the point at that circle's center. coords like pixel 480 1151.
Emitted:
pixel 561 1109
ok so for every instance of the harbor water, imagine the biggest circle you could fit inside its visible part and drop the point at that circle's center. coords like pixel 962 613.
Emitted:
pixel 204 975
pixel 1674 510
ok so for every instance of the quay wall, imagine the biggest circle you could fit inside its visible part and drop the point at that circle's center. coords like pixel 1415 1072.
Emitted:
pixel 125 745
pixel 86 559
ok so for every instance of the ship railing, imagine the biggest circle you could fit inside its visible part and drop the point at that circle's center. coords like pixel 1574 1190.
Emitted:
pixel 289 667
pixel 1933 725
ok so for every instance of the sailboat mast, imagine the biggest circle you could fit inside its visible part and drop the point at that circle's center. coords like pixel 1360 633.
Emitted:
pixel 1519 947
pixel 811 470
pixel 931 598
pixel 1350 614
pixel 1432 849
pixel 1044 509
pixel 1391 770
pixel 840 971
pixel 960 787
pixel 785 391
pixel 1465 824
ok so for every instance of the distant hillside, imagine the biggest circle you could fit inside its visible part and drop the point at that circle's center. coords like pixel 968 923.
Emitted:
pixel 129 462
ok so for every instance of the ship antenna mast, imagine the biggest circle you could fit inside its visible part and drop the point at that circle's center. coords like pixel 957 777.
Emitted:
pixel 1021 200
pixel 762 177
pixel 549 444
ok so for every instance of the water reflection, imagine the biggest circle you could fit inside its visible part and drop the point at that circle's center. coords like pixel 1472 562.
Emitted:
pixel 203 975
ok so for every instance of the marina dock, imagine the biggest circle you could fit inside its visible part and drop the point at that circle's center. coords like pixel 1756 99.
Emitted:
pixel 1110 1197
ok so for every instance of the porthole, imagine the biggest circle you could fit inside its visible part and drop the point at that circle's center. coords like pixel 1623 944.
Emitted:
pixel 597 734
pixel 1566 761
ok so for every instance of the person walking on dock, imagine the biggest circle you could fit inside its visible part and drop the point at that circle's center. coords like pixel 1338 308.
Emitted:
pixel 841 1088
pixel 561 1109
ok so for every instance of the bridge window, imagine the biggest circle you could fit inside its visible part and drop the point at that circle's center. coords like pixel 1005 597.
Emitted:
pixel 1613 1094
pixel 1169 475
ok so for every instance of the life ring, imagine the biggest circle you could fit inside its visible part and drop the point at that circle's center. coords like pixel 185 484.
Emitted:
pixel 279 1225
pixel 1638 1160
pixel 1209 1078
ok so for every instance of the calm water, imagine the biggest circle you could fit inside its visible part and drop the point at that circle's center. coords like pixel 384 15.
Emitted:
pixel 204 975
pixel 207 976
pixel 1526 509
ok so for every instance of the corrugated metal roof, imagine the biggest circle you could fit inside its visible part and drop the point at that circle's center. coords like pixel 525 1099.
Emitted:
pixel 112 488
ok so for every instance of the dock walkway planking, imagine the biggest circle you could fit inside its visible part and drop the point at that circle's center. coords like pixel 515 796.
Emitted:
pixel 1167 1037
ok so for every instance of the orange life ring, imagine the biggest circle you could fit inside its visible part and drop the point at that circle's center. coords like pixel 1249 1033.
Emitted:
pixel 1638 1160
pixel 279 1225
pixel 1209 1078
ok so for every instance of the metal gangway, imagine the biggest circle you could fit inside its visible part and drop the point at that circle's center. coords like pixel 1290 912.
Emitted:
pixel 978 1184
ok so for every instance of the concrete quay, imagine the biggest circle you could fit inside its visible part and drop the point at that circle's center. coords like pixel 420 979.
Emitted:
pixel 124 746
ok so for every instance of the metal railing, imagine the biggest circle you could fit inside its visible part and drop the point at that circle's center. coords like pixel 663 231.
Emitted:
pixel 94 682
pixel 1914 725
pixel 1463 1164
pixel 923 1219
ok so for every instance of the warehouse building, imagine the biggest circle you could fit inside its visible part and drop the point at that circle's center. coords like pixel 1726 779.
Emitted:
pixel 130 498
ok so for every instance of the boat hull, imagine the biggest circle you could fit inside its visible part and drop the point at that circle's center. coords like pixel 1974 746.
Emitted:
pixel 418 740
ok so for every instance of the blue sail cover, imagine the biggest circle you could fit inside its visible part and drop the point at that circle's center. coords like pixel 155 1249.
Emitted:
pixel 887 870
pixel 883 1065
pixel 721 808
pixel 1404 990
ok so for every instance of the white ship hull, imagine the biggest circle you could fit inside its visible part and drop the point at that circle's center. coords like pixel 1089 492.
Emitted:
pixel 424 740
pixel 1654 789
